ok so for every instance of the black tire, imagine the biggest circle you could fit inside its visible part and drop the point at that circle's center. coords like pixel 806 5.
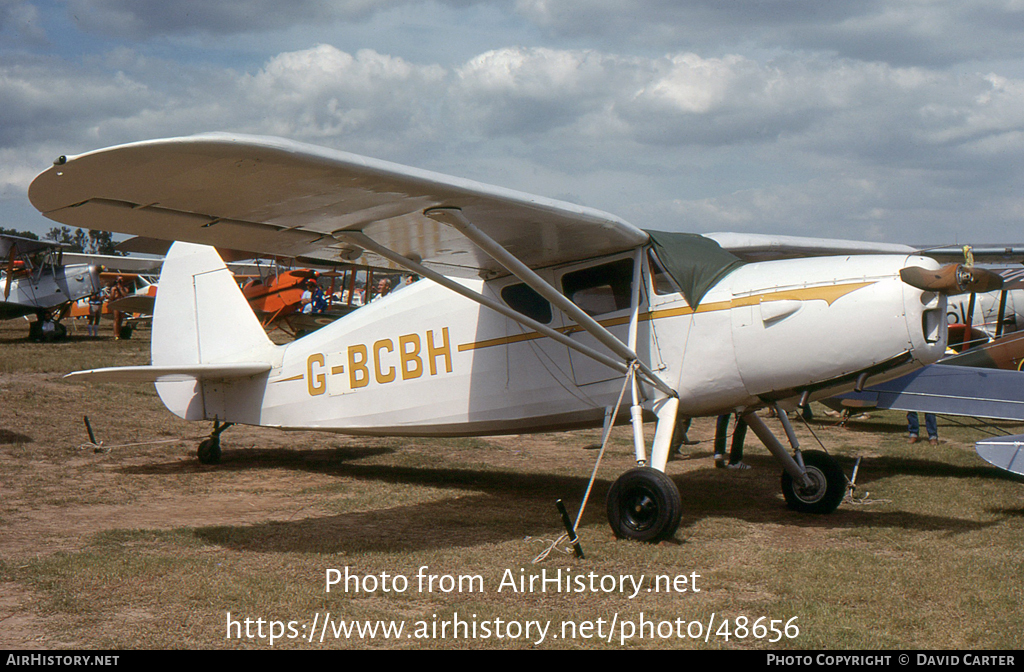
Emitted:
pixel 644 505
pixel 209 451
pixel 37 335
pixel 828 489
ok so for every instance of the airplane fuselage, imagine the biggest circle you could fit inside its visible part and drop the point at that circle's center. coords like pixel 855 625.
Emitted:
pixel 424 361
pixel 986 311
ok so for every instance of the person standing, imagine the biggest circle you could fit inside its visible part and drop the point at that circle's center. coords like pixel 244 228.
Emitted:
pixel 736 450
pixel 312 298
pixel 931 425
pixel 96 312
pixel 118 290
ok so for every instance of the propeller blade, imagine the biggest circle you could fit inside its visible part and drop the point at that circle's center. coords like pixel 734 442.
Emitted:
pixel 952 279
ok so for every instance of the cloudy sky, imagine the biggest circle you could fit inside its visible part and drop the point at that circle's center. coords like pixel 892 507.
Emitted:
pixel 887 120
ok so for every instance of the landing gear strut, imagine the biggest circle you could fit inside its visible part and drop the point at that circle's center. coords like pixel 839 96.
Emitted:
pixel 209 449
pixel 644 505
pixel 812 481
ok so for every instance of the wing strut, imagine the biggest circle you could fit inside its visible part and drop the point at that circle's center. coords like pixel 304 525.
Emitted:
pixel 365 242
pixel 454 218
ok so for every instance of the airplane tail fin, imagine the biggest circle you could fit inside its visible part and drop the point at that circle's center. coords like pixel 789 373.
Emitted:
pixel 201 316
pixel 202 319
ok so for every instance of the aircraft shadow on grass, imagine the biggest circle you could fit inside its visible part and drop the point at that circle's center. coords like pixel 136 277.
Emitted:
pixel 872 468
pixel 501 506
pixel 8 437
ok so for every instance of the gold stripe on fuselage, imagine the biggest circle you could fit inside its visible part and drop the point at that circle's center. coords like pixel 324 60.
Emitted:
pixel 827 293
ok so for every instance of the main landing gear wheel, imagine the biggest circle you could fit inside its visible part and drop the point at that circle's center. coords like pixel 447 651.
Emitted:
pixel 209 451
pixel 644 505
pixel 827 489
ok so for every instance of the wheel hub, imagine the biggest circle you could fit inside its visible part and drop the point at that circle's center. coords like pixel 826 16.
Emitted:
pixel 641 510
pixel 816 490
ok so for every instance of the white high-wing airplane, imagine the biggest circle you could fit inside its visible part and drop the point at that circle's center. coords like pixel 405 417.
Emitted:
pixel 542 316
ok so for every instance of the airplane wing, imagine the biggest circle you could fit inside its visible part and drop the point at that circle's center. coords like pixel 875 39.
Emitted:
pixel 24 245
pixel 1005 452
pixel 277 197
pixel 766 247
pixel 115 263
pixel 988 254
pixel 1013 278
pixel 134 303
pixel 950 390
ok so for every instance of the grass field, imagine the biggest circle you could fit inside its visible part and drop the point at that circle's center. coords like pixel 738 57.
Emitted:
pixel 140 546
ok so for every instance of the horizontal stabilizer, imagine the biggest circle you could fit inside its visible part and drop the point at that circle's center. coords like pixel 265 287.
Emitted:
pixel 1005 452
pixel 151 374
pixel 950 390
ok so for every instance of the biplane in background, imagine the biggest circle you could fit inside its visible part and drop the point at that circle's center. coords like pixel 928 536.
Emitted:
pixel 979 318
pixel 280 297
pixel 37 281
pixel 136 274
pixel 542 315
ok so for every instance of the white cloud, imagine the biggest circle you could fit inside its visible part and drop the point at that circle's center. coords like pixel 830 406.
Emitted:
pixel 515 90
pixel 324 93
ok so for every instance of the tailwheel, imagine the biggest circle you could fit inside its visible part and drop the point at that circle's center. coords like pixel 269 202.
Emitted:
pixel 209 451
pixel 644 505
pixel 827 488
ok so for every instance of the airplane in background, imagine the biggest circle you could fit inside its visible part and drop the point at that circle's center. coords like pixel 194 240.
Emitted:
pixel 542 315
pixel 137 306
pixel 36 281
pixel 979 318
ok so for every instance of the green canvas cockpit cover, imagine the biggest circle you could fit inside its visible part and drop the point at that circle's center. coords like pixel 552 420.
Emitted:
pixel 696 263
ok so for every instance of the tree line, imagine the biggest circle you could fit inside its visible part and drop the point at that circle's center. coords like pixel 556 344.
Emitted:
pixel 80 240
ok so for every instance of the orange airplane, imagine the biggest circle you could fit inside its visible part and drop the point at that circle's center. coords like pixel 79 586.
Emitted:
pixel 277 298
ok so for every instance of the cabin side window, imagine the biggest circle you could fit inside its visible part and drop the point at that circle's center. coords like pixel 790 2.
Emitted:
pixel 525 300
pixel 601 289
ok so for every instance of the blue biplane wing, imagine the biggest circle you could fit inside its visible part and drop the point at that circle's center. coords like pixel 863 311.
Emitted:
pixel 950 390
